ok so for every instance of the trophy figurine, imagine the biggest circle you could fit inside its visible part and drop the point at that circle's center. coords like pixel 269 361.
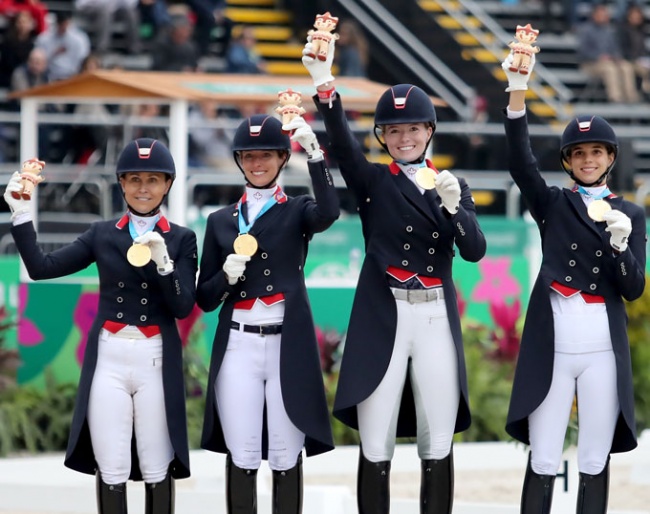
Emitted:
pixel 30 176
pixel 523 49
pixel 289 107
pixel 323 35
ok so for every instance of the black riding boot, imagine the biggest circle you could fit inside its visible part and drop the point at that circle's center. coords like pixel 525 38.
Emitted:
pixel 111 499
pixel 159 497
pixel 537 493
pixel 593 492
pixel 241 489
pixel 373 486
pixel 437 486
pixel 287 490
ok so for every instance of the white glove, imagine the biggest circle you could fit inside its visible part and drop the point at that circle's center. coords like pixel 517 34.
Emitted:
pixel 517 81
pixel 448 189
pixel 235 266
pixel 18 206
pixel 305 137
pixel 158 248
pixel 620 227
pixel 320 71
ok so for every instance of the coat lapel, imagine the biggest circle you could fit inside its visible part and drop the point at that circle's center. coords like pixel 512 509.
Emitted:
pixel 410 191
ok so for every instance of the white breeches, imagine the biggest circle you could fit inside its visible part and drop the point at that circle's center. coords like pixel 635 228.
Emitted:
pixel 126 395
pixel 591 377
pixel 424 346
pixel 250 376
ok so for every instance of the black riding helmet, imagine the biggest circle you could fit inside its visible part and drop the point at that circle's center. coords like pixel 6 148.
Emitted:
pixel 587 129
pixel 148 155
pixel 403 103
pixel 261 132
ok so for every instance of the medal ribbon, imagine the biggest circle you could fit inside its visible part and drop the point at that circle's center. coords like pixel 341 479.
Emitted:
pixel 278 196
pixel 605 194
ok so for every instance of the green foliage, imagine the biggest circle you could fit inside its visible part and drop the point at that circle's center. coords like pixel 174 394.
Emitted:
pixel 490 382
pixel 9 359
pixel 33 420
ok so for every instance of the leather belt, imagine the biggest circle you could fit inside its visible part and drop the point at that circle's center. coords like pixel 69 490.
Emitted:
pixel 418 295
pixel 263 330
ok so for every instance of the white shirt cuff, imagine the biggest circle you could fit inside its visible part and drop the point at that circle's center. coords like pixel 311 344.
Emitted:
pixel 513 115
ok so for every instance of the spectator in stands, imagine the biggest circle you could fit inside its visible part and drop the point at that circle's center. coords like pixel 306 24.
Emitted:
pixel 212 24
pixel 175 50
pixel 209 146
pixel 632 31
pixel 241 56
pixel 154 18
pixel 37 9
pixel 351 50
pixel 65 45
pixel 34 73
pixel 16 45
pixel 144 123
pixel 88 142
pixel 101 16
pixel 601 57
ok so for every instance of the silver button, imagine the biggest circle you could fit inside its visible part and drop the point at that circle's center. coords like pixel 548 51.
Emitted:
pixel 572 263
pixel 144 301
pixel 267 272
pixel 596 269
pixel 599 253
pixel 120 284
pixel 429 269
pixel 574 246
pixel 143 318
pixel 242 278
pixel 568 279
pixel 405 262
pixel 144 285
pixel 243 294
pixel 435 235
pixel 120 299
pixel 264 255
pixel 368 200
pixel 432 251
pixel 593 287
pixel 407 246
pixel 409 228
pixel 120 315
pixel 269 288
pixel 236 213
pixel 300 267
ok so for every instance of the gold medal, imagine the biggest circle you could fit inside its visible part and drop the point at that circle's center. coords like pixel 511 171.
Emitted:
pixel 597 208
pixel 426 178
pixel 138 255
pixel 245 244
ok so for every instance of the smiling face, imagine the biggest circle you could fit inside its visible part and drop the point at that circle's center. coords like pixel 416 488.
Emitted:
pixel 261 167
pixel 144 190
pixel 406 141
pixel 589 161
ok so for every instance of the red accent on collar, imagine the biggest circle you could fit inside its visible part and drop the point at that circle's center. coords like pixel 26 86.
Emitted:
pixel 162 223
pixel 278 194
pixel 266 300
pixel 395 169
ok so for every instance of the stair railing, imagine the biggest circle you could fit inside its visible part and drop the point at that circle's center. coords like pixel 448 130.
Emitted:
pixel 497 46
pixel 398 40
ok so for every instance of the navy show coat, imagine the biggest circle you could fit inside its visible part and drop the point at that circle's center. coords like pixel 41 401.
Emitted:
pixel 409 230
pixel 575 252
pixel 283 234
pixel 135 296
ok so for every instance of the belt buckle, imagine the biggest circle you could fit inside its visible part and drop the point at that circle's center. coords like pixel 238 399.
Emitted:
pixel 260 330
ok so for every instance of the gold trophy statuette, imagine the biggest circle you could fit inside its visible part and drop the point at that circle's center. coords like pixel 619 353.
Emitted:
pixel 30 177
pixel 597 208
pixel 138 255
pixel 245 244
pixel 426 178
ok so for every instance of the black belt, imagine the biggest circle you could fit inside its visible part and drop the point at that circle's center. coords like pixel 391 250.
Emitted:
pixel 263 330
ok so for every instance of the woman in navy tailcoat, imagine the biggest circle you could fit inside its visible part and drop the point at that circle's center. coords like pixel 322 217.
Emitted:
pixel 129 420
pixel 403 369
pixel 574 343
pixel 265 397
